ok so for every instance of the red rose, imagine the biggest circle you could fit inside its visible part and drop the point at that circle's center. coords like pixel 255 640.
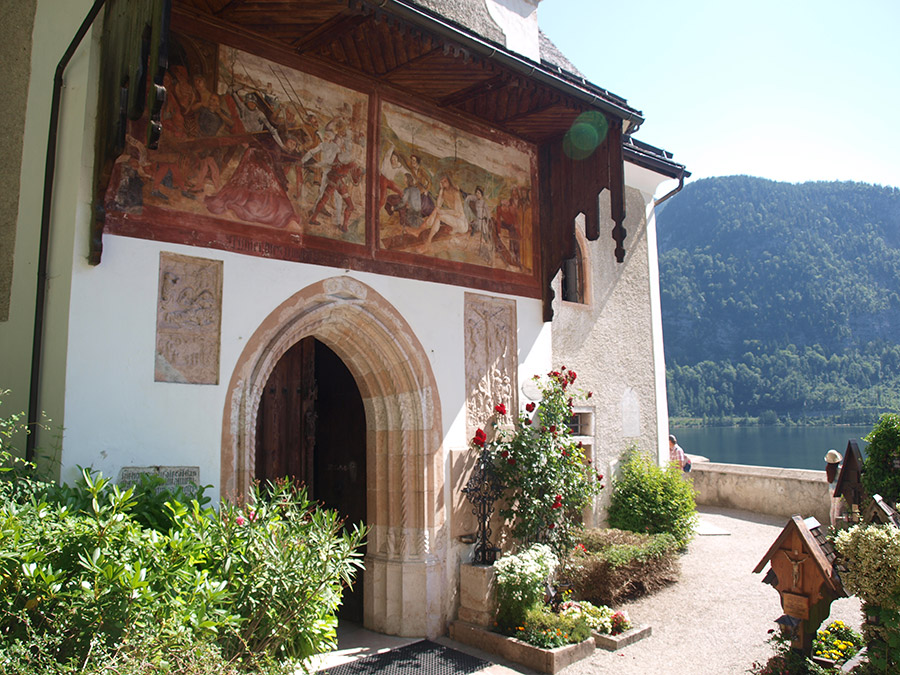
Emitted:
pixel 565 454
pixel 511 460
pixel 529 407
pixel 527 421
pixel 572 376
pixel 504 454
pixel 552 525
pixel 590 393
pixel 500 408
pixel 480 438
pixel 552 428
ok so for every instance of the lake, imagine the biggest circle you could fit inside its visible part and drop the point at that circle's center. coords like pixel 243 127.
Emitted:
pixel 787 447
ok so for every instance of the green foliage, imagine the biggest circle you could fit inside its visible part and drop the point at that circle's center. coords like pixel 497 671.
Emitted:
pixel 613 565
pixel 542 628
pixel 521 583
pixel 880 477
pixel 548 479
pixel 783 297
pixel 871 554
pixel 85 586
pixel 650 499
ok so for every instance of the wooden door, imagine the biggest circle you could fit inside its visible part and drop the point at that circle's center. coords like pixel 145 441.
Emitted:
pixel 311 426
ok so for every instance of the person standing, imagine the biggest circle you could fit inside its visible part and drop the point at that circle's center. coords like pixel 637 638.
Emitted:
pixel 832 464
pixel 676 454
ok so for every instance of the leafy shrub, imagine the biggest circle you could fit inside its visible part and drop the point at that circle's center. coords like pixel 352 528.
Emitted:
pixel 521 583
pixel 650 499
pixel 871 554
pixel 546 629
pixel 880 477
pixel 86 587
pixel 615 565
pixel 548 480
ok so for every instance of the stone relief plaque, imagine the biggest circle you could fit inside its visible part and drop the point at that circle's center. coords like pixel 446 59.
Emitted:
pixel 185 477
pixel 188 319
pixel 491 358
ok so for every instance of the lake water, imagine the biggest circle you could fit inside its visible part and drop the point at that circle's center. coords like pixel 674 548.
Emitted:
pixel 786 447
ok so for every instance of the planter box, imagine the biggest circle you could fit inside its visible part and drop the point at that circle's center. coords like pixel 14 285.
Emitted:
pixel 613 643
pixel 542 660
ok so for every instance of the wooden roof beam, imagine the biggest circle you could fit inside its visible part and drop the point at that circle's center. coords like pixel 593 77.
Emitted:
pixel 490 84
pixel 328 32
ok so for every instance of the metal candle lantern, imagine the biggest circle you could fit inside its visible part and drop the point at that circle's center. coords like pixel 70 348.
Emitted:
pixel 483 489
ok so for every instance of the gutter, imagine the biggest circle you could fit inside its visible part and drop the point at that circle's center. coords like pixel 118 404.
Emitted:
pixel 519 64
pixel 672 193
pixel 40 300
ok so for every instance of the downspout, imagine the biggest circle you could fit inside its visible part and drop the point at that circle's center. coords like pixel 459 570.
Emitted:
pixel 40 300
pixel 672 193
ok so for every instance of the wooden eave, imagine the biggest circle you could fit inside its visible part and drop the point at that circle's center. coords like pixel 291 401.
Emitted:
pixel 401 50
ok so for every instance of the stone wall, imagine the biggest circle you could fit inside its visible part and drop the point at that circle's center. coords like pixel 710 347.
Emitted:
pixel 763 489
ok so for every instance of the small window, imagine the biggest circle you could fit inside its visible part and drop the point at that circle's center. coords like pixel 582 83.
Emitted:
pixel 573 278
pixel 580 424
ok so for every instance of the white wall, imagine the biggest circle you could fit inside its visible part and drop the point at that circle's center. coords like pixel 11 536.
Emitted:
pixel 116 415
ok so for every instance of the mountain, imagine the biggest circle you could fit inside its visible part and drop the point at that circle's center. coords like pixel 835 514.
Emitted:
pixel 780 297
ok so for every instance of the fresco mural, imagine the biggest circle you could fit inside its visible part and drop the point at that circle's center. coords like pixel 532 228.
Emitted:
pixel 252 142
pixel 446 193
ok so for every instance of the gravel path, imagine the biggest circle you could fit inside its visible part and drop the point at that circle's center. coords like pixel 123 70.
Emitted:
pixel 715 620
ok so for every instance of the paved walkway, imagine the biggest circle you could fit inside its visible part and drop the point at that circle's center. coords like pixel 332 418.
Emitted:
pixel 714 621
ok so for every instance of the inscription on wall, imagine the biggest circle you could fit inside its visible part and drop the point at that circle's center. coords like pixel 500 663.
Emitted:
pixel 185 477
pixel 491 358
pixel 188 319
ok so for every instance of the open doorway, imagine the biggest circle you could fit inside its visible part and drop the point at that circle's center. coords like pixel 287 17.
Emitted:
pixel 311 426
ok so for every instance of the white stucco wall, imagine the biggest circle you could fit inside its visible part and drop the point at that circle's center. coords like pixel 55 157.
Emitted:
pixel 116 415
pixel 614 341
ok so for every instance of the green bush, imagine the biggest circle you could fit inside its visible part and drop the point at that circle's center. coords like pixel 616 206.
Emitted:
pixel 613 565
pixel 650 499
pixel 86 586
pixel 880 477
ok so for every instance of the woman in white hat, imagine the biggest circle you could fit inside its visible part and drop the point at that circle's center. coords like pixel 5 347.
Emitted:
pixel 832 463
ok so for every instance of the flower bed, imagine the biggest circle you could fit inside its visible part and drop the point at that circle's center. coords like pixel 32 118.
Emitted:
pixel 511 649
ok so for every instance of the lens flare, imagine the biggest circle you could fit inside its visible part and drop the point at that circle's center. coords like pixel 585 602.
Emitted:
pixel 585 135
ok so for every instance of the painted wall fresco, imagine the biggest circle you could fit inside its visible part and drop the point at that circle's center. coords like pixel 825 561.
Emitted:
pixel 449 194
pixel 252 142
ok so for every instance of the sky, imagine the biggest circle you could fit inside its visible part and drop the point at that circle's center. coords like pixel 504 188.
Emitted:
pixel 791 90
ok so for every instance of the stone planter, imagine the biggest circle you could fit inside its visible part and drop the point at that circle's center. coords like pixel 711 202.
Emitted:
pixel 477 594
pixel 542 660
pixel 613 643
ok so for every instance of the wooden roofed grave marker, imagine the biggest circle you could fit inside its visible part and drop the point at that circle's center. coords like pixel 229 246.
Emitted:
pixel 849 482
pixel 805 574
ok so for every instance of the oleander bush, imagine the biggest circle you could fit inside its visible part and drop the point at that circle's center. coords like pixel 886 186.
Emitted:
pixel 610 565
pixel 651 499
pixel 99 579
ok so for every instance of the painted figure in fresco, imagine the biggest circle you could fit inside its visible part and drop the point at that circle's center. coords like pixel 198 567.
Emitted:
pixel 389 179
pixel 255 192
pixel 507 217
pixel 409 206
pixel 448 210
pixel 320 159
pixel 344 171
pixel 253 118
pixel 126 184
pixel 480 222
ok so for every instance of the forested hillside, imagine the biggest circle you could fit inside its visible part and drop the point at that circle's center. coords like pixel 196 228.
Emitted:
pixel 781 297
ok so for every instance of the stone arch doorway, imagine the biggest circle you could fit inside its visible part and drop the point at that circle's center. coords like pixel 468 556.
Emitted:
pixel 311 427
pixel 405 581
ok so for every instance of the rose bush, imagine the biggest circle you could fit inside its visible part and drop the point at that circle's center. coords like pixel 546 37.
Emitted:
pixel 549 480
